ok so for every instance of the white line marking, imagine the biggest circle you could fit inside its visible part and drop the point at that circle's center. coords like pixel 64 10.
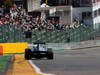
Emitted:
pixel 37 69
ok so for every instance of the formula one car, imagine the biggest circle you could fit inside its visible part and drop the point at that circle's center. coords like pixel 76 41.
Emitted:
pixel 38 51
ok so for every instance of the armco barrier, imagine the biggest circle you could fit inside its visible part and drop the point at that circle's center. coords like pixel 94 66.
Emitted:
pixel 14 47
pixel 74 45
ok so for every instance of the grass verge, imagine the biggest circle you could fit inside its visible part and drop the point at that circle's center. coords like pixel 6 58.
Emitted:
pixel 4 63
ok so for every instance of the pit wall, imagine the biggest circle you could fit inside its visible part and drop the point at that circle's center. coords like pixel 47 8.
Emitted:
pixel 13 47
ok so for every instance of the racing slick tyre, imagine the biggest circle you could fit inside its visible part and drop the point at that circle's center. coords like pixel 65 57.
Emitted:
pixel 28 54
pixel 50 54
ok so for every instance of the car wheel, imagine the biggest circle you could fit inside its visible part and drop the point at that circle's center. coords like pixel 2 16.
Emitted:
pixel 50 54
pixel 27 54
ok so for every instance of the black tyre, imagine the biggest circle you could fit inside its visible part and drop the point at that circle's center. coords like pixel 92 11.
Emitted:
pixel 50 54
pixel 28 55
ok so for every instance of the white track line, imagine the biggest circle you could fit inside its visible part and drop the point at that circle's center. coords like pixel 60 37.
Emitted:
pixel 37 69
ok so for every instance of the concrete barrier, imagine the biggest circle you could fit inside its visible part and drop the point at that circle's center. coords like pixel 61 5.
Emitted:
pixel 74 45
pixel 14 47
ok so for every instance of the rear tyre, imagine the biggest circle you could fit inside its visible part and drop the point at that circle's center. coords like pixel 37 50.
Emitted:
pixel 50 54
pixel 28 54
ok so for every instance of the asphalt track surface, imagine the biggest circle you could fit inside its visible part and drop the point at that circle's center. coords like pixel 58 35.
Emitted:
pixel 72 62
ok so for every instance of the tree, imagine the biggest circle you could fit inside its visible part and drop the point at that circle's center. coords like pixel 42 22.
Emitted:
pixel 8 4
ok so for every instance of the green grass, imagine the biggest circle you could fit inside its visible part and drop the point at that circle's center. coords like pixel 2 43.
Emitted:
pixel 4 62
